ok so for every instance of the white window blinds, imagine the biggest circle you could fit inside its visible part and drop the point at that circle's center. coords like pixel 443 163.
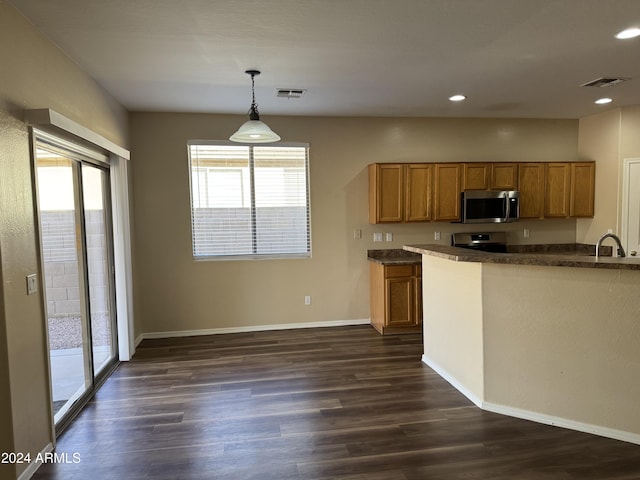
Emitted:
pixel 249 201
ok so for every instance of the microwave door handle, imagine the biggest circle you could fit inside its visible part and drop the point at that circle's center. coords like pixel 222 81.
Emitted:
pixel 508 208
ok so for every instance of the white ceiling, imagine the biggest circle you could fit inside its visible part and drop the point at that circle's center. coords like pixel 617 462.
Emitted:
pixel 512 58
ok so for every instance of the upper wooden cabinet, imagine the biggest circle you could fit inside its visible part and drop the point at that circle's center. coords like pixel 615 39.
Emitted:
pixel 557 189
pixel 570 189
pixel 476 176
pixel 531 187
pixel 421 192
pixel 583 179
pixel 489 176
pixel 400 192
pixel 446 190
pixel 418 181
pixel 504 176
pixel 386 192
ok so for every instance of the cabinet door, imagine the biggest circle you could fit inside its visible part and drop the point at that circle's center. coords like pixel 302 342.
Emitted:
pixel 418 192
pixel 386 192
pixel 583 176
pixel 400 305
pixel 531 187
pixel 447 191
pixel 417 292
pixel 557 190
pixel 475 176
pixel 504 176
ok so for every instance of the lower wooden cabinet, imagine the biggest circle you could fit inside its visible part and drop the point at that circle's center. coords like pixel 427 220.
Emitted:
pixel 396 298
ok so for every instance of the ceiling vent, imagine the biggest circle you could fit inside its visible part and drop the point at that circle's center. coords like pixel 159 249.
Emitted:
pixel 604 82
pixel 290 92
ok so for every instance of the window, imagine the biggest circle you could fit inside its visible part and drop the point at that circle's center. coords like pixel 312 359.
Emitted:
pixel 249 201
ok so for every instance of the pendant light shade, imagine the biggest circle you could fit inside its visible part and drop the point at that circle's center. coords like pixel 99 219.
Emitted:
pixel 254 131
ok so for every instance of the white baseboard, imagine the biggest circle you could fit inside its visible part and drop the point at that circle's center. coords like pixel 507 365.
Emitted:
pixel 252 328
pixel 452 380
pixel 530 415
pixel 34 466
pixel 562 422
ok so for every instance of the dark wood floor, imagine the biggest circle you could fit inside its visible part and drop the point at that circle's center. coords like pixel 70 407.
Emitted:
pixel 328 403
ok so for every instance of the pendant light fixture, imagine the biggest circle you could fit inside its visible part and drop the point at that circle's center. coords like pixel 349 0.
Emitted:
pixel 254 131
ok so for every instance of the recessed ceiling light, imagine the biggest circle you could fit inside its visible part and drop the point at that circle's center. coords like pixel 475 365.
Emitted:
pixel 628 33
pixel 603 101
pixel 457 98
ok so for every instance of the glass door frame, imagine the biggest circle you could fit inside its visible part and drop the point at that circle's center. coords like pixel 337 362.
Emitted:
pixel 80 156
pixel 110 263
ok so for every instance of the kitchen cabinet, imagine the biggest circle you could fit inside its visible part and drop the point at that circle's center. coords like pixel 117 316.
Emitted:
pixel 570 189
pixel 418 180
pixel 490 176
pixel 557 190
pixel 504 176
pixel 583 178
pixel 446 191
pixel 386 192
pixel 476 176
pixel 422 192
pixel 531 187
pixel 400 192
pixel 396 298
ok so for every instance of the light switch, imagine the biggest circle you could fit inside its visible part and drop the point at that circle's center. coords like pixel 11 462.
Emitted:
pixel 32 284
pixel 377 237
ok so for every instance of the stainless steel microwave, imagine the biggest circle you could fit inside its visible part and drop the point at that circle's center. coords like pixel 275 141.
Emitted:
pixel 490 206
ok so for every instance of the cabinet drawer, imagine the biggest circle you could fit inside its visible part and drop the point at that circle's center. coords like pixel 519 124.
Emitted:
pixel 391 271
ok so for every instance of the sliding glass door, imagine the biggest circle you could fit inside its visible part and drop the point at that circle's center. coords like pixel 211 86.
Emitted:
pixel 76 238
pixel 95 182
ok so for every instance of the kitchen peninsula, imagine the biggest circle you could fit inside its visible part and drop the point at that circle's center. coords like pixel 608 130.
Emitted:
pixel 552 337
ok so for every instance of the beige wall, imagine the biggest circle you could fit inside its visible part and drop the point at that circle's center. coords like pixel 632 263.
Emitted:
pixel 608 138
pixel 599 140
pixel 453 322
pixel 564 342
pixel 34 75
pixel 630 133
pixel 552 344
pixel 174 293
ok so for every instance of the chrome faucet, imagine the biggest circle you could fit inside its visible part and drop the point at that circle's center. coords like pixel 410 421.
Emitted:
pixel 617 240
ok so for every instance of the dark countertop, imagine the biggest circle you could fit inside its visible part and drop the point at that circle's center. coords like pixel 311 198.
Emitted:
pixel 568 255
pixel 394 256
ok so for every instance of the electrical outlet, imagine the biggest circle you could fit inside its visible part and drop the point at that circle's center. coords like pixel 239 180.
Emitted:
pixel 436 235
pixel 388 237
pixel 307 299
pixel 357 234
pixel 377 236
pixel 526 233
